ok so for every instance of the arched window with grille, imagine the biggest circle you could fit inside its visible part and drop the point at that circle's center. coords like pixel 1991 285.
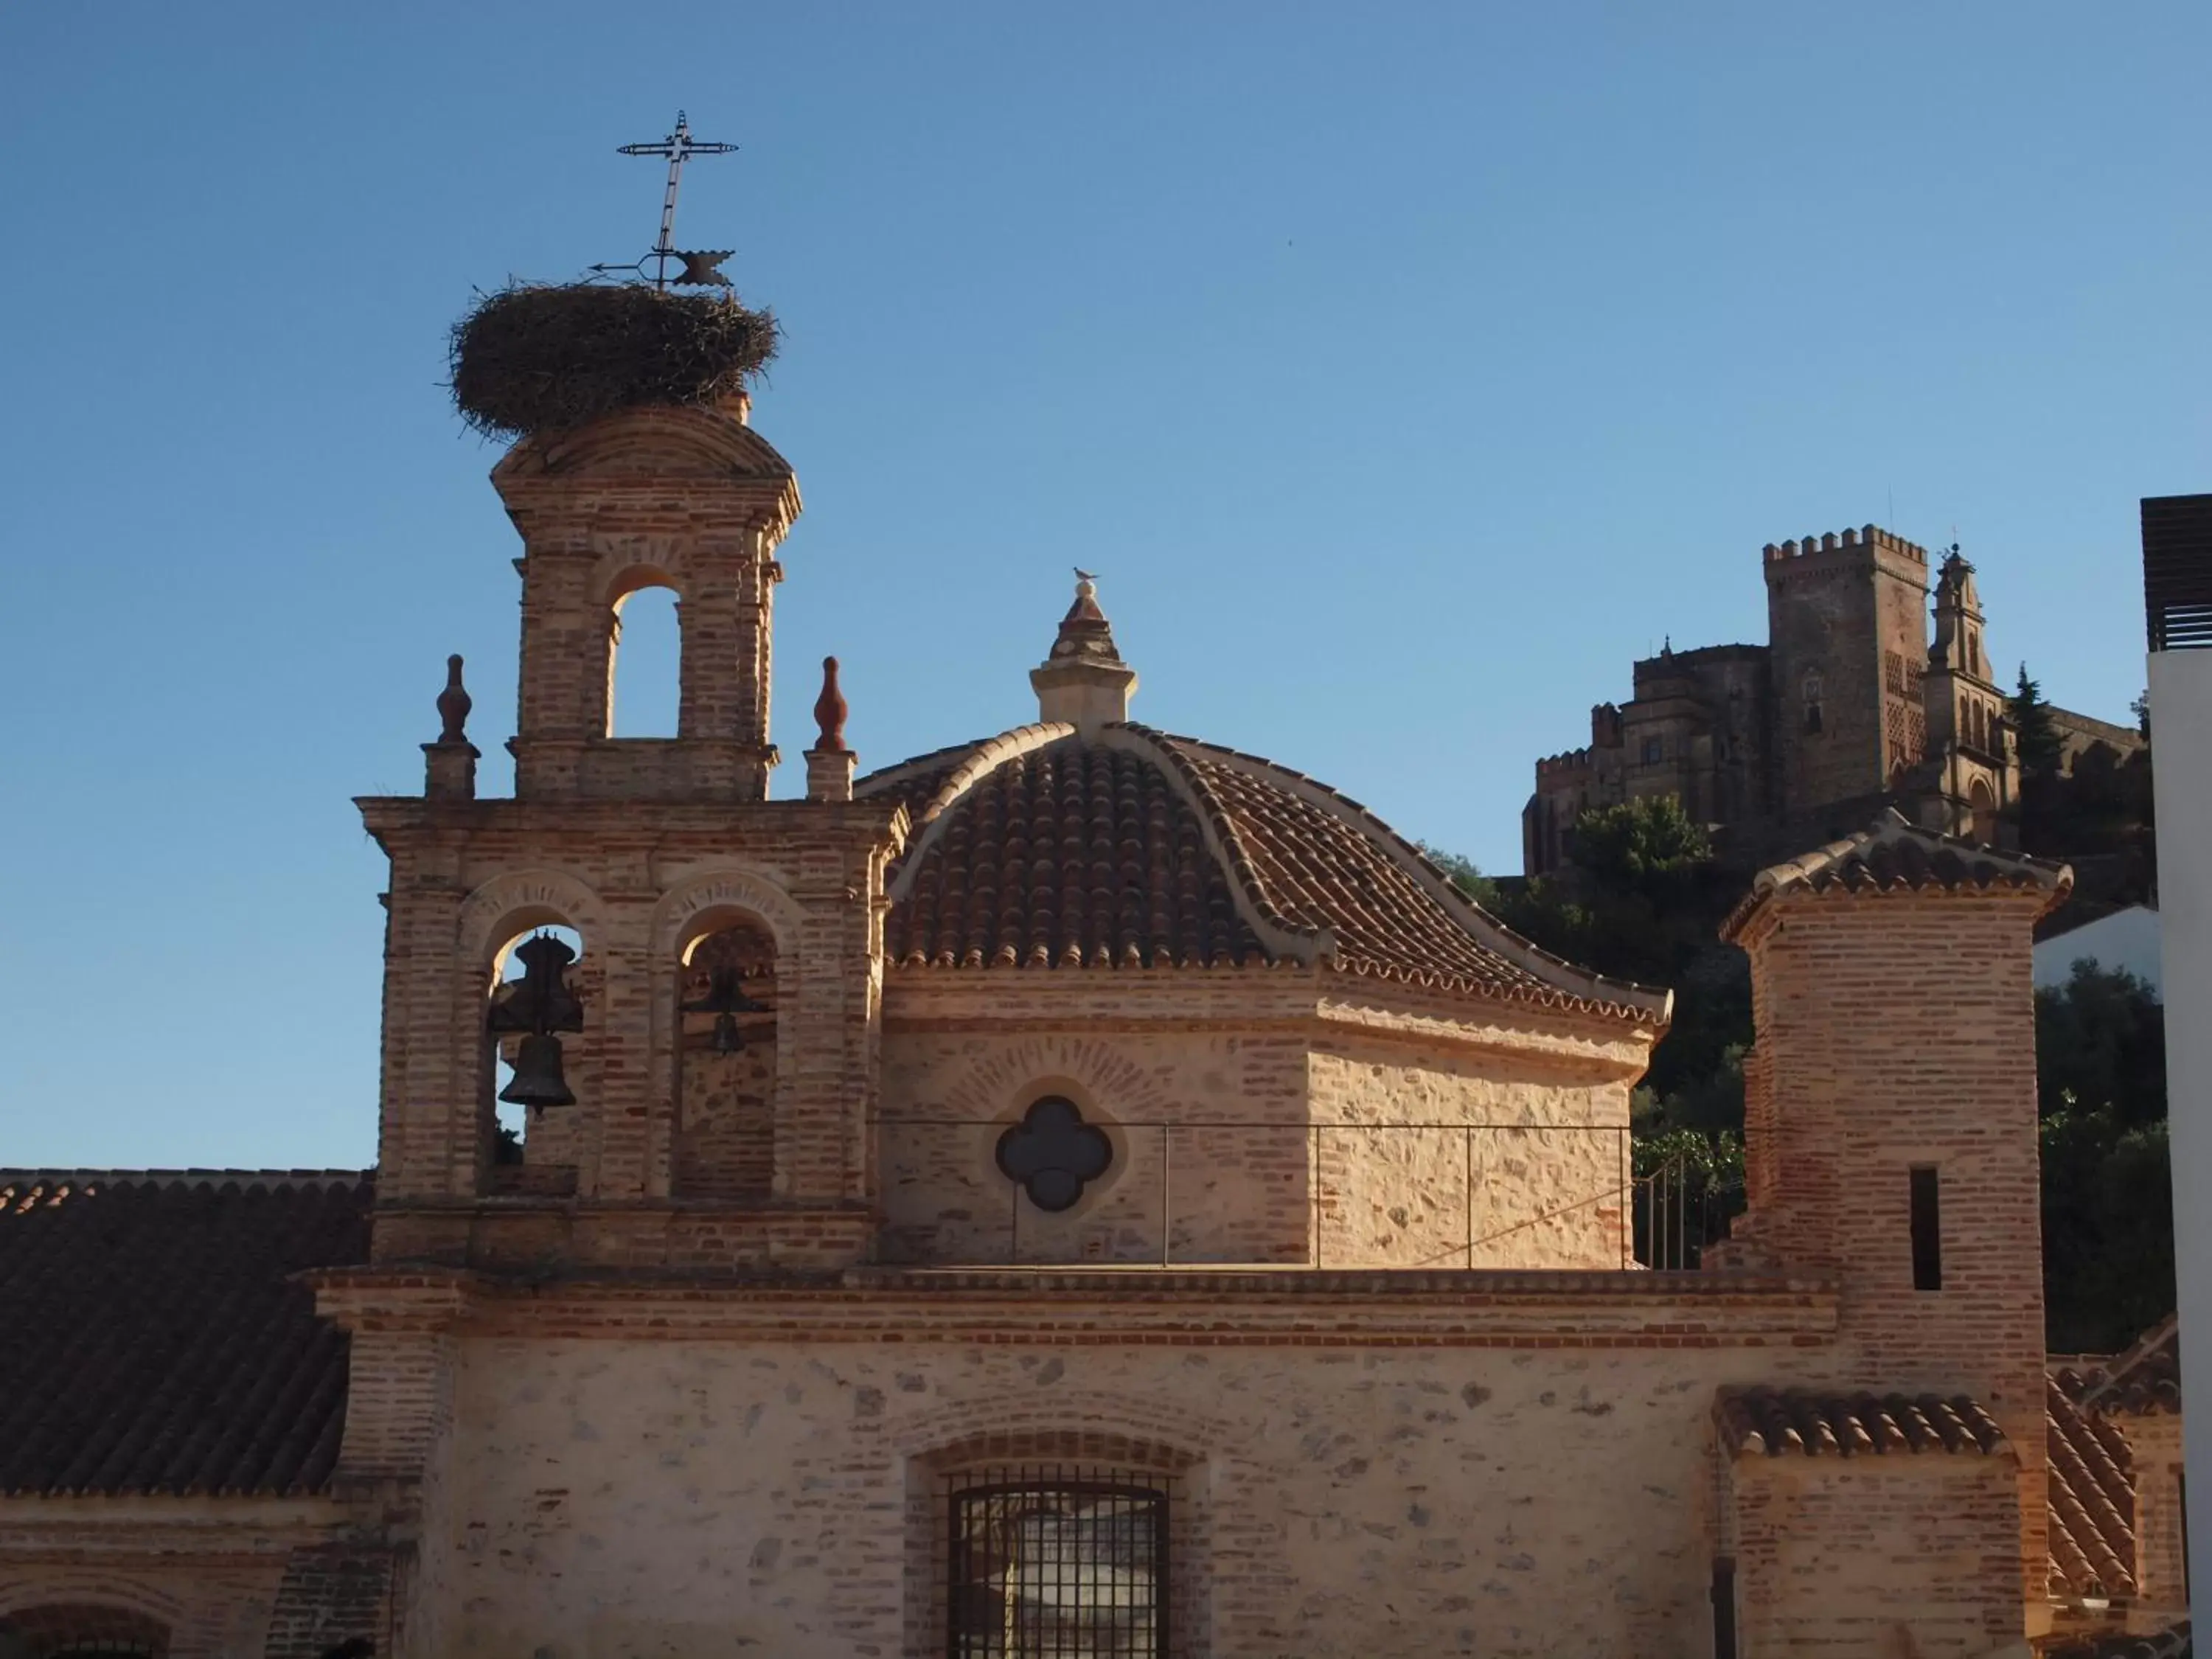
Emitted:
pixel 1056 1561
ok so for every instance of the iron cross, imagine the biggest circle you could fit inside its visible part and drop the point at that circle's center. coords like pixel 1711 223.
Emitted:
pixel 678 147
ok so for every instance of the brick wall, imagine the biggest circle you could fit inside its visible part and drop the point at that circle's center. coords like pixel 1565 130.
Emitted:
pixel 1897 1557
pixel 332 1596
pixel 2161 1570
pixel 1897 1030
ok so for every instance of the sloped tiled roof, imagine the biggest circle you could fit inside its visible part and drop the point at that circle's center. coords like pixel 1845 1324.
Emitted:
pixel 2145 1379
pixel 1046 847
pixel 2092 1491
pixel 1776 1422
pixel 2173 1644
pixel 155 1341
pixel 1893 855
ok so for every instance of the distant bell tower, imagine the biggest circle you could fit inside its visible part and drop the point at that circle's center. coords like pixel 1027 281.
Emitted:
pixel 1967 733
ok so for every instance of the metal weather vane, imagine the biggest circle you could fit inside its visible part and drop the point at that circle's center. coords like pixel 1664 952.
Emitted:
pixel 702 268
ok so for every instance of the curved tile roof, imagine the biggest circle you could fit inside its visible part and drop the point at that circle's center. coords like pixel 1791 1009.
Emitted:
pixel 1894 855
pixel 2144 1380
pixel 1764 1422
pixel 155 1341
pixel 2173 1643
pixel 1124 846
pixel 2092 1491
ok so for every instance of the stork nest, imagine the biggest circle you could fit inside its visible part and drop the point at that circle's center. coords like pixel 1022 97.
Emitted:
pixel 536 357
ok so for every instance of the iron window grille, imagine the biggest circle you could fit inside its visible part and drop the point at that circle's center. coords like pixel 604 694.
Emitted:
pixel 1056 1561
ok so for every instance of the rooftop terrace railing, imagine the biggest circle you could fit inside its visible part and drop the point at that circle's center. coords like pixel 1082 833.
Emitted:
pixel 1317 1195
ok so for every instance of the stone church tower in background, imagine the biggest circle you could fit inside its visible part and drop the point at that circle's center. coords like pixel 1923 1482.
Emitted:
pixel 1848 709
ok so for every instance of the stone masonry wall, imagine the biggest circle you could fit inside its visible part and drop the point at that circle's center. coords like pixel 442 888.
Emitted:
pixel 1836 610
pixel 1269 1124
pixel 707 1498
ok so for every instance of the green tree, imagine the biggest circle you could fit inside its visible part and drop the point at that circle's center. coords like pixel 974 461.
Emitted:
pixel 2107 1197
pixel 1648 845
pixel 2040 746
pixel 2100 1044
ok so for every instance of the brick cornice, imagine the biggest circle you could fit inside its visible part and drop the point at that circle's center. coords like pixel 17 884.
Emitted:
pixel 867 819
pixel 1209 1306
pixel 194 1524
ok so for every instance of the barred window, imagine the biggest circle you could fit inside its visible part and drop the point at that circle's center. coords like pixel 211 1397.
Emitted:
pixel 1056 1561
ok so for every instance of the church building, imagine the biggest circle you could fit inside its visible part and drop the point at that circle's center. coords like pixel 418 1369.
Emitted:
pixel 1082 1191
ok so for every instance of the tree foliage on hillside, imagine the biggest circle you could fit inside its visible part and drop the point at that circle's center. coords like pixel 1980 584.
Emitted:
pixel 2034 731
pixel 2107 1197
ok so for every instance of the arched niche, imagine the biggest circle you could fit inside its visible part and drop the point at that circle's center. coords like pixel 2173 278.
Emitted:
pixel 727 1012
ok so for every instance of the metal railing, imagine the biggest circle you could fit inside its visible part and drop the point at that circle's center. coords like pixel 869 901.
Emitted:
pixel 1243 1192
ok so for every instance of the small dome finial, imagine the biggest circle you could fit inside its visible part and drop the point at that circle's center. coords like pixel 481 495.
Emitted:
pixel 1082 680
pixel 453 705
pixel 830 711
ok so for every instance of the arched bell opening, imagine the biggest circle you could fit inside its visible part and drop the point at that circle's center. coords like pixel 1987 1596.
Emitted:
pixel 535 1025
pixel 725 1059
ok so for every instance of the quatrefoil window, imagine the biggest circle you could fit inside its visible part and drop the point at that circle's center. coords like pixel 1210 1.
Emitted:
pixel 1054 1153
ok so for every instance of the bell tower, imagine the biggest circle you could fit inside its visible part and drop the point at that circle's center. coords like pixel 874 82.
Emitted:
pixel 692 1011
pixel 1968 735
pixel 688 498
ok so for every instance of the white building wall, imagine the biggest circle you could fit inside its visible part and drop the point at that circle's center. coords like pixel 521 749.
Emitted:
pixel 2181 716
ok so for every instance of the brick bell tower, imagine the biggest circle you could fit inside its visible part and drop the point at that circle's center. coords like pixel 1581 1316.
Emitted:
pixel 695 1084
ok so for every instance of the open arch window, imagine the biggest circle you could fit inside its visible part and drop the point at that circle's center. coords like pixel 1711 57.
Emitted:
pixel 645 653
pixel 1057 1561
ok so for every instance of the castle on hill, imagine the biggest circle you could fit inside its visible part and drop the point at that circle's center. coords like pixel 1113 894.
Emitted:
pixel 1851 708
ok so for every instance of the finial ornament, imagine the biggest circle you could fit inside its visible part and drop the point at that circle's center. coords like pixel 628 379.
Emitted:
pixel 830 710
pixel 453 705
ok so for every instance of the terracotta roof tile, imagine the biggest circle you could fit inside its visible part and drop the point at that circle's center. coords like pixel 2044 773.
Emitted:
pixel 1774 1423
pixel 1129 847
pixel 156 1343
pixel 1895 856
pixel 1061 855
pixel 2092 1493
pixel 2145 1379
pixel 2173 1644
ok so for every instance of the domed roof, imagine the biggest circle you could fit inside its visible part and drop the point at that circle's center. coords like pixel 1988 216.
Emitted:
pixel 1119 847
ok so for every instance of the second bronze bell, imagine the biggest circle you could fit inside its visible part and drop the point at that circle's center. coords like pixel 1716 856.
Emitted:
pixel 537 1079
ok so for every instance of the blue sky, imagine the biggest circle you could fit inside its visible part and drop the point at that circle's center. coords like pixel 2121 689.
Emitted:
pixel 1406 370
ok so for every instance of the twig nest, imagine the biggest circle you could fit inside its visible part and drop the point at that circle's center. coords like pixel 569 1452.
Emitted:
pixel 537 358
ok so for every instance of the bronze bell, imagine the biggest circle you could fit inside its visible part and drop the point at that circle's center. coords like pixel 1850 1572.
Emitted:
pixel 538 1081
pixel 725 999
